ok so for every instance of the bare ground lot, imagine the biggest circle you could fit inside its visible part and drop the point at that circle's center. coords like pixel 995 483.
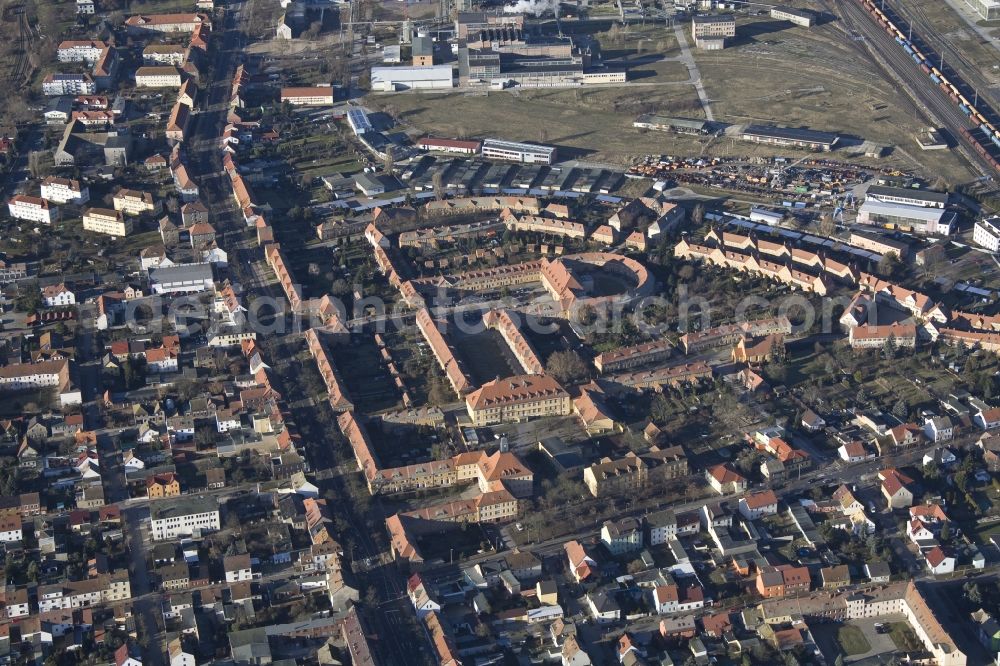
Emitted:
pixel 585 123
pixel 813 78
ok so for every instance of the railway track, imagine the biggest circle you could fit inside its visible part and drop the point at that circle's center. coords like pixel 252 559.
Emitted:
pixel 911 13
pixel 18 71
pixel 888 55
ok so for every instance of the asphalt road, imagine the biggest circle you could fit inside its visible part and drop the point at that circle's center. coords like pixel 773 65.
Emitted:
pixel 393 612
pixel 862 474
pixel 204 125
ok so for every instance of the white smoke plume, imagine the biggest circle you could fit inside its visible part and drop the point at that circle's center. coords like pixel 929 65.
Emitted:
pixel 533 7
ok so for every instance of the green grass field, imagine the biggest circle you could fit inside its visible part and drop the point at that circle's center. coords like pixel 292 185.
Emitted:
pixel 904 638
pixel 852 640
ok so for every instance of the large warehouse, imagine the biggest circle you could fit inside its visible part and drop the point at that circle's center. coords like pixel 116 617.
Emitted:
pixel 796 16
pixel 908 196
pixel 666 124
pixel 917 219
pixel 788 136
pixel 390 79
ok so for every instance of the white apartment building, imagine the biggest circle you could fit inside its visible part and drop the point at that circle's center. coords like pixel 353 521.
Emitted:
pixel 986 234
pixel 161 360
pixel 875 337
pixel 85 6
pixel 10 529
pixel 106 588
pixel 133 202
pixel 144 24
pixel 64 191
pixel 68 84
pixel 57 295
pixel 22 376
pixel 229 336
pixel 17 604
pixel 80 51
pixel 528 153
pixel 33 209
pixel 171 520
pixel 105 221
pixel 164 54
pixel 662 527
pixel 164 76
pixel 238 568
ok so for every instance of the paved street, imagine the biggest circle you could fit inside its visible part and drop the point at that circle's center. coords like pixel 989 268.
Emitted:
pixel 249 269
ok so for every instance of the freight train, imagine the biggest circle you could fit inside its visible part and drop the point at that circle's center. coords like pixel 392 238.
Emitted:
pixel 984 136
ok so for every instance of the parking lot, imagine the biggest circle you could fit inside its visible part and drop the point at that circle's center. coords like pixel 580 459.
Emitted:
pixel 826 636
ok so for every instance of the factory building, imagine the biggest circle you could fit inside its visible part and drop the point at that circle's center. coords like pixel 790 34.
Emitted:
pixel 422 51
pixel 797 16
pixel 788 136
pixel 711 31
pixel 457 146
pixel 504 56
pixel 391 79
pixel 526 153
pixel 467 23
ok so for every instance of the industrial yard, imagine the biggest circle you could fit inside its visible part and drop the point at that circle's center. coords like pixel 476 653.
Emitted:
pixel 815 77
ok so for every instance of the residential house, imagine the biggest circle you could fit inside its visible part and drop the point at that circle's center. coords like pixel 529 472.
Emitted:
pixel 159 486
pixel 835 577
pixel 238 568
pixel 758 505
pixel 939 561
pixel 57 295
pixel 896 488
pixel 853 452
pixel 939 428
pixel 812 421
pixel 622 536
pixel 877 571
pixel 725 481
pixel 581 565
pixel 988 419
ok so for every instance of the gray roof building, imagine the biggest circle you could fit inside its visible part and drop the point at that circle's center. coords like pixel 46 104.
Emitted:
pixel 250 647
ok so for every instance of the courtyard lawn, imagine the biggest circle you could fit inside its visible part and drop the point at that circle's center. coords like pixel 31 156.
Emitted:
pixel 852 640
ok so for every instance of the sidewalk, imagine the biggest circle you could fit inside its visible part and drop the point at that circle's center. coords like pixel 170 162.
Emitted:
pixel 688 59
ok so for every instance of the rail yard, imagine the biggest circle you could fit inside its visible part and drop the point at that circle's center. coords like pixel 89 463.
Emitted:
pixel 931 81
